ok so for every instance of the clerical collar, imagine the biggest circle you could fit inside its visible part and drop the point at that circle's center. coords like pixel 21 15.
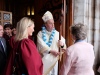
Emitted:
pixel 78 41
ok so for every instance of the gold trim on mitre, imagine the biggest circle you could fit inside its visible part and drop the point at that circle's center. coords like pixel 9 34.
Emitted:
pixel 47 16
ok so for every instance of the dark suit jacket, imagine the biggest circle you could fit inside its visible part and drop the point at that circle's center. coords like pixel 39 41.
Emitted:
pixel 3 56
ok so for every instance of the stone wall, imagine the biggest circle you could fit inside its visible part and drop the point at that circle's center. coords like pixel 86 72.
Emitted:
pixel 88 13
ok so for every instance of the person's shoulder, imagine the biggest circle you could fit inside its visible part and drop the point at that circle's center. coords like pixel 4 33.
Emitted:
pixel 26 41
pixel 2 38
pixel 57 32
pixel 89 44
pixel 85 43
pixel 39 32
pixel 12 37
pixel 70 49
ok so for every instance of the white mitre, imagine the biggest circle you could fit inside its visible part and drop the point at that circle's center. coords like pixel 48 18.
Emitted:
pixel 47 16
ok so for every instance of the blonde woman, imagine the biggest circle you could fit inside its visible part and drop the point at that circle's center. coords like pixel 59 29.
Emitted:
pixel 29 61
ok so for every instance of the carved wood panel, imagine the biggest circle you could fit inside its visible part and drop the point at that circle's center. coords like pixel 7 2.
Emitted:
pixel 5 17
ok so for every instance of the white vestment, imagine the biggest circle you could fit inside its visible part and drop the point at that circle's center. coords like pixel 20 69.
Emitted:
pixel 50 62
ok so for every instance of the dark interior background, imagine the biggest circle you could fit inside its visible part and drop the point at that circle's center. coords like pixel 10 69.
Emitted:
pixel 19 9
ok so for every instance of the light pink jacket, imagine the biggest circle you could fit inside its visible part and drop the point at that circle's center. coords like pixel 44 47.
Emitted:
pixel 79 60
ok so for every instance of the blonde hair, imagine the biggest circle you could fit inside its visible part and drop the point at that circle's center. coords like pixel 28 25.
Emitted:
pixel 21 28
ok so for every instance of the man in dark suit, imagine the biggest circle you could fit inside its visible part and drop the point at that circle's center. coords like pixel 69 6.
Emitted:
pixel 3 54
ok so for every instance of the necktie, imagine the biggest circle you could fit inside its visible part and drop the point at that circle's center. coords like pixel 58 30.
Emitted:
pixel 1 45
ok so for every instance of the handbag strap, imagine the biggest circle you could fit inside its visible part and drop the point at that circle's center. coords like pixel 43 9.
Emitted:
pixel 16 55
pixel 19 61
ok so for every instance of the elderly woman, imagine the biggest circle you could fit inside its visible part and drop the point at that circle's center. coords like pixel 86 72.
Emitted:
pixel 79 56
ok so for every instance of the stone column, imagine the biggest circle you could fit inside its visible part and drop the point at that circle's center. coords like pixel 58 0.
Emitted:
pixel 88 13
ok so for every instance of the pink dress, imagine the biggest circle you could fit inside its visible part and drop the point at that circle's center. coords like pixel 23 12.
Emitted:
pixel 79 60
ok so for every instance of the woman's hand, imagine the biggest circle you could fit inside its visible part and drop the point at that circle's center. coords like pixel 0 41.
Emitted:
pixel 63 50
pixel 55 53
